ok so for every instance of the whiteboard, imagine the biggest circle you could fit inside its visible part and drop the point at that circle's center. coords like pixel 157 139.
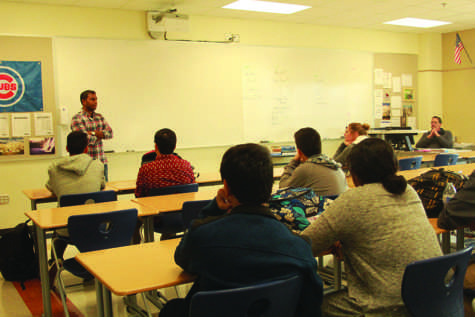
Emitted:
pixel 213 94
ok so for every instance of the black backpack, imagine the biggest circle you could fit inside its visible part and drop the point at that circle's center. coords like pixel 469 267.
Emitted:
pixel 430 187
pixel 18 261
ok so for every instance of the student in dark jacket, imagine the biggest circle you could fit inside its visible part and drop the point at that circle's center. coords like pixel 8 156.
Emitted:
pixel 238 242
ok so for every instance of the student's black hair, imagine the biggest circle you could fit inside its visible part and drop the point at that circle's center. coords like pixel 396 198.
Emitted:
pixel 248 171
pixel 373 161
pixel 76 142
pixel 438 118
pixel 165 139
pixel 85 94
pixel 308 141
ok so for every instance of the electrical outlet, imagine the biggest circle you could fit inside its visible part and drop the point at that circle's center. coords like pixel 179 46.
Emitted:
pixel 4 199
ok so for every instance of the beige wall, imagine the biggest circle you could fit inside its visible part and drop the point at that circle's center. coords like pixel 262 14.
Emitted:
pixel 24 19
pixel 458 87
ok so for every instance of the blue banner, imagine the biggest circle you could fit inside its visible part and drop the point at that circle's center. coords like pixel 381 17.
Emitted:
pixel 21 89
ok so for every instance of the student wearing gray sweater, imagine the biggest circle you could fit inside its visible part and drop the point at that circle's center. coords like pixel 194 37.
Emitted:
pixel 382 227
pixel 310 168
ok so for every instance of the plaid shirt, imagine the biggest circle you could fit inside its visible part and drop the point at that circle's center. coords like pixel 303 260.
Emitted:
pixel 82 121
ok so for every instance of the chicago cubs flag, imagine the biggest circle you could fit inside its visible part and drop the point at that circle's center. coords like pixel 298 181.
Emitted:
pixel 20 87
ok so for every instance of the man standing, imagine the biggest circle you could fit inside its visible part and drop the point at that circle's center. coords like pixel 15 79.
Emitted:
pixel 436 137
pixel 95 125
pixel 310 168
pixel 167 169
pixel 238 242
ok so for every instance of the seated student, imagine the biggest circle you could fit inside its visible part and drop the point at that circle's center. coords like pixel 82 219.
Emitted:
pixel 310 168
pixel 382 227
pixel 167 169
pixel 78 173
pixel 436 137
pixel 354 134
pixel 237 241
pixel 460 210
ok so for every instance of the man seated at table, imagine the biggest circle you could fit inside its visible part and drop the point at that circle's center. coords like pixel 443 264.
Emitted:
pixel 167 169
pixel 238 242
pixel 436 137
pixel 310 168
pixel 78 173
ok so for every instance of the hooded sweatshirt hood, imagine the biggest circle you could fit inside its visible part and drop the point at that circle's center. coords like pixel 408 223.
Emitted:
pixel 324 160
pixel 77 164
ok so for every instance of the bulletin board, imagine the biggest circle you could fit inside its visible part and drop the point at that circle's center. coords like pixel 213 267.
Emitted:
pixel 395 90
pixel 27 131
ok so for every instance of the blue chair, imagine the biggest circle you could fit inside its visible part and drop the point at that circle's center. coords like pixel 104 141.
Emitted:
pixel 410 163
pixel 87 198
pixel 445 159
pixel 191 210
pixel 168 224
pixel 90 232
pixel 434 287
pixel 272 299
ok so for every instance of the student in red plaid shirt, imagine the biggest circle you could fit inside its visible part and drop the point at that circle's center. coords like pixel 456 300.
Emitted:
pixel 95 125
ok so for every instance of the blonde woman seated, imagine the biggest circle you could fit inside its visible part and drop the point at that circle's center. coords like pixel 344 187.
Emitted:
pixel 354 134
pixel 382 227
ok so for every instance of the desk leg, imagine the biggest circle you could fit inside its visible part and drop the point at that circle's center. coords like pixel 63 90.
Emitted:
pixel 107 298
pixel 336 273
pixel 460 239
pixel 99 298
pixel 43 262
pixel 148 228
pixel 446 242
pixel 33 204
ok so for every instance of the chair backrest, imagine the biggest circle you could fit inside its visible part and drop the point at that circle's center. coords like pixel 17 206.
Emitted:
pixel 87 198
pixel 191 209
pixel 184 188
pixel 410 163
pixel 273 299
pixel 430 289
pixel 445 159
pixel 99 231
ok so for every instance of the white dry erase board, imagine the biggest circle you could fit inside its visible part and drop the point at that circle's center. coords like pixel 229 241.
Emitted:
pixel 214 94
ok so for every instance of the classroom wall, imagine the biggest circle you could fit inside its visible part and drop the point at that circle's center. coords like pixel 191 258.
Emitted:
pixel 46 20
pixel 458 87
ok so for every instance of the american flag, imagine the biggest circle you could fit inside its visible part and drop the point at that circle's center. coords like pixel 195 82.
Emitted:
pixel 458 49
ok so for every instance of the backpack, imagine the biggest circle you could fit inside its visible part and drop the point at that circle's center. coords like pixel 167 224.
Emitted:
pixel 292 206
pixel 430 187
pixel 18 260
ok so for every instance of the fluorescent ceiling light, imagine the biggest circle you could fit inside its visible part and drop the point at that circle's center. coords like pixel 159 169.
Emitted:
pixel 418 23
pixel 265 6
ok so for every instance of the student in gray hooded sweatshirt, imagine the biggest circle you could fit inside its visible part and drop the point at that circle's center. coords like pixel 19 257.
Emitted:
pixel 75 174
pixel 312 169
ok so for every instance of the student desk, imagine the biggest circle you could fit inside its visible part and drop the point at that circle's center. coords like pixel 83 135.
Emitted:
pixel 113 273
pixel 429 157
pixel 53 218
pixel 43 195
pixel 173 202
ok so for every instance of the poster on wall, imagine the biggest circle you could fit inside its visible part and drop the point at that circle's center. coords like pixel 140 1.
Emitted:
pixel 12 146
pixel 21 88
pixel 41 146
